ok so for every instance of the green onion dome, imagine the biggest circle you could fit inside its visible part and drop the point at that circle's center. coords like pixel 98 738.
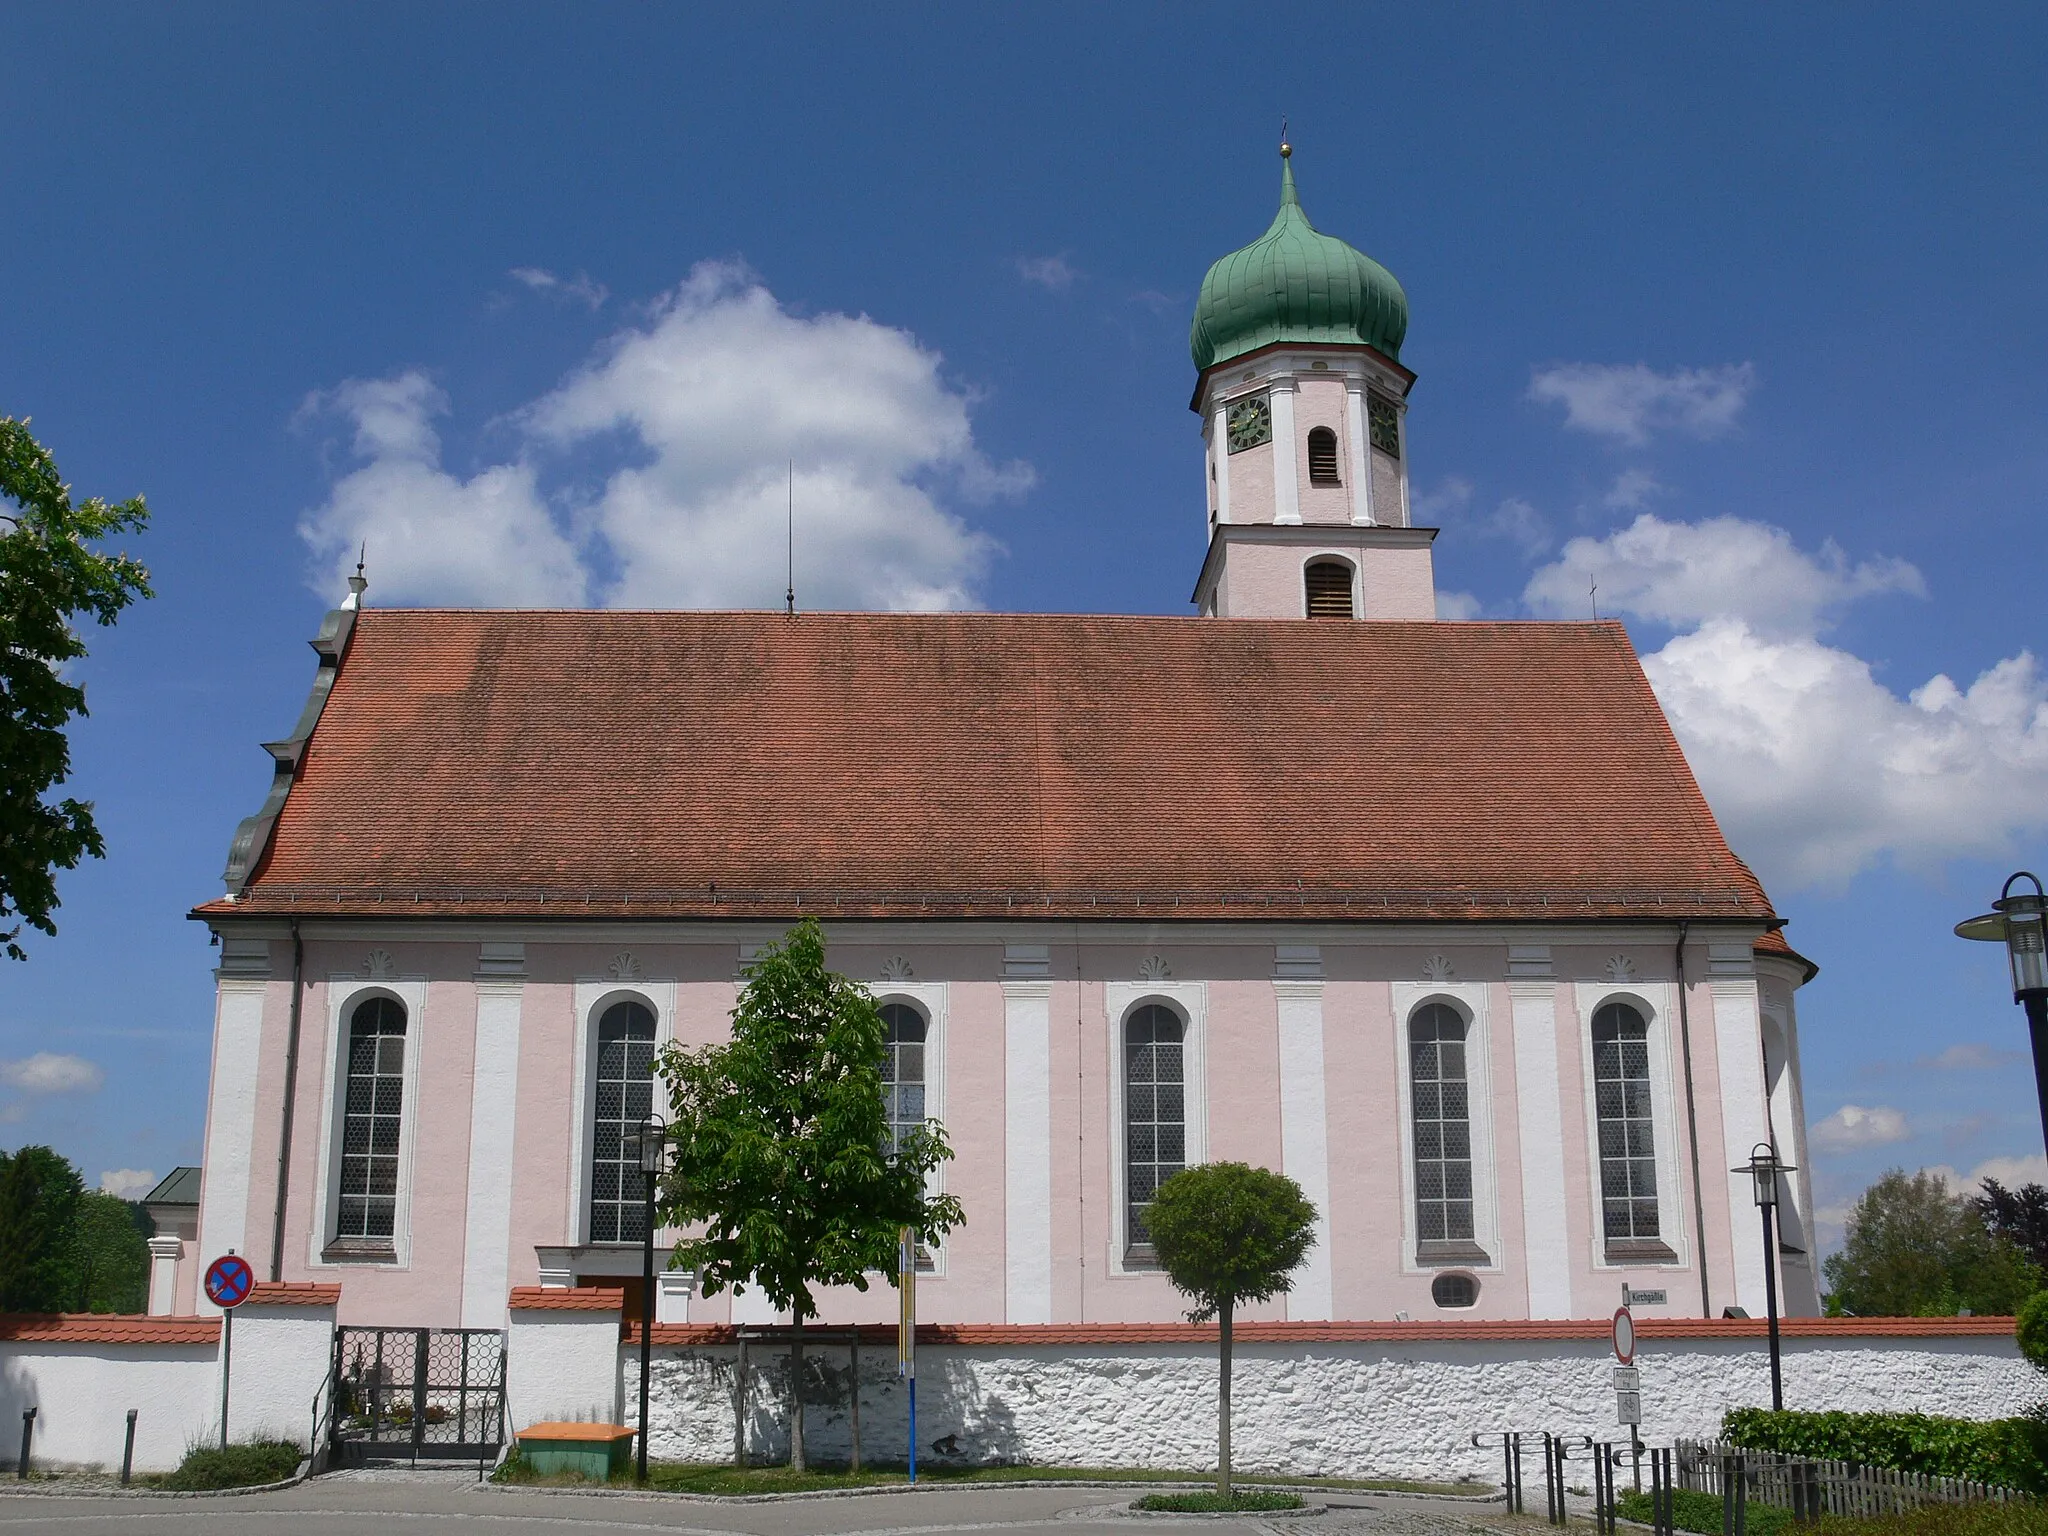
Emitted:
pixel 1293 284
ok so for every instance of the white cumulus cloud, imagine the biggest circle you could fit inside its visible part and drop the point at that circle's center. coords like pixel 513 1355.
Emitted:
pixel 1854 1126
pixel 1628 402
pixel 580 287
pixel 1815 768
pixel 48 1072
pixel 2012 1172
pixel 682 428
pixel 428 535
pixel 1679 573
pixel 1054 273
pixel 127 1183
pixel 1456 606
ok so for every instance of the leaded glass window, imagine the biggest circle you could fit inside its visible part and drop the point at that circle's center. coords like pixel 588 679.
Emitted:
pixel 1628 1153
pixel 1440 1104
pixel 625 1097
pixel 1155 1109
pixel 903 1069
pixel 372 1111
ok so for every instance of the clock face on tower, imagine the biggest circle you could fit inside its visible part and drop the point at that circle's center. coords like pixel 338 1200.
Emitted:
pixel 1251 423
pixel 1384 418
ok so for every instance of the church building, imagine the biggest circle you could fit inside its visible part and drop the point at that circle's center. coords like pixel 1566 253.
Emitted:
pixel 1431 916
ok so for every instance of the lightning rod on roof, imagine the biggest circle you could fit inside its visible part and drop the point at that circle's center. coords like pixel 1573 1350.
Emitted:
pixel 356 584
pixel 1593 596
pixel 789 594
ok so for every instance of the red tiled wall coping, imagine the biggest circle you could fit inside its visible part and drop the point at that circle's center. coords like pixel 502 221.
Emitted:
pixel 103 1328
pixel 1028 1336
pixel 293 1293
pixel 582 1298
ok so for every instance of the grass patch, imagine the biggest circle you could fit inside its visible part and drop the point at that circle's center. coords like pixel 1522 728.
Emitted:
pixel 2020 1518
pixel 718 1478
pixel 1213 1503
pixel 208 1467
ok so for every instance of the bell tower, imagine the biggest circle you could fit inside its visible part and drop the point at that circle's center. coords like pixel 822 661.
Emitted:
pixel 1304 403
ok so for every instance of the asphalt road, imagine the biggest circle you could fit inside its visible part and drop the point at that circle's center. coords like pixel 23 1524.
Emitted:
pixel 429 1504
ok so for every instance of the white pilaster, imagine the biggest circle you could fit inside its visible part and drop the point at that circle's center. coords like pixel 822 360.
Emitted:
pixel 1219 455
pixel 1738 1050
pixel 1546 1241
pixel 231 1125
pixel 163 1275
pixel 1027 1151
pixel 493 1106
pixel 1305 1138
pixel 1286 475
pixel 1361 458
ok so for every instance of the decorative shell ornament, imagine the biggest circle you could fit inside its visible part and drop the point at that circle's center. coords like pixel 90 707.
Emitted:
pixel 625 966
pixel 1438 968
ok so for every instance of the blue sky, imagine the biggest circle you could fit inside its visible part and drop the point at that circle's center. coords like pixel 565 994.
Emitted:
pixel 1739 314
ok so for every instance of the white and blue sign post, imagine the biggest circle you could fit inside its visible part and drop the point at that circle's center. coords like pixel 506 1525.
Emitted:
pixel 906 1329
pixel 228 1282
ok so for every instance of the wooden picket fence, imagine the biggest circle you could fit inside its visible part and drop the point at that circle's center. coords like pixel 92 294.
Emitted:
pixel 1810 1487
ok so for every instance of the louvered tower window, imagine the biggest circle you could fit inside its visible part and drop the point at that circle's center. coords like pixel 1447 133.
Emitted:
pixel 371 1118
pixel 625 1097
pixel 1322 457
pixel 1329 590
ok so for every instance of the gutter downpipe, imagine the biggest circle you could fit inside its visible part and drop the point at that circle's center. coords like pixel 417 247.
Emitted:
pixel 1692 1123
pixel 291 1080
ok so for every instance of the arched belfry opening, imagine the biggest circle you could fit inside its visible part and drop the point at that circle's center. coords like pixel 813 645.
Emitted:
pixel 1328 585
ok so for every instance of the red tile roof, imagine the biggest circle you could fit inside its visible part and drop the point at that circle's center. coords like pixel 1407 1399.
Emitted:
pixel 293 1293
pixel 552 1298
pixel 1022 1336
pixel 751 764
pixel 98 1328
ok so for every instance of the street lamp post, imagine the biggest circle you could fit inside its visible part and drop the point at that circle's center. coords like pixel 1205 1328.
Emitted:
pixel 646 1146
pixel 2021 924
pixel 1763 1168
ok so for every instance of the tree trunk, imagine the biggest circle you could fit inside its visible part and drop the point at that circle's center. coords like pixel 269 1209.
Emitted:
pixel 796 1395
pixel 1223 1404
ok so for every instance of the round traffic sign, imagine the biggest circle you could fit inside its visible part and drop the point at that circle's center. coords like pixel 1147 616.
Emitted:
pixel 1624 1336
pixel 228 1281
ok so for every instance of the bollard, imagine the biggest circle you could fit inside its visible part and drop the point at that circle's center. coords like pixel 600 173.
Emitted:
pixel 28 1434
pixel 128 1449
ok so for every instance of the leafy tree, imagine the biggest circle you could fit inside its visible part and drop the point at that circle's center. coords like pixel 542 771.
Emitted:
pixel 781 1146
pixel 39 1196
pixel 1914 1248
pixel 1226 1233
pixel 49 574
pixel 2020 1216
pixel 110 1254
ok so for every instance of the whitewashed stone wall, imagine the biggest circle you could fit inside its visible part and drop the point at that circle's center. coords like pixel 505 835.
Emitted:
pixel 1338 1410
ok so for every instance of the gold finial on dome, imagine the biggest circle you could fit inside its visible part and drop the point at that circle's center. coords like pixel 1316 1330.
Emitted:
pixel 1286 149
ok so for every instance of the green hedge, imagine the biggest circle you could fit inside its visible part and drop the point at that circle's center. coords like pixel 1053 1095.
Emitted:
pixel 1701 1512
pixel 2012 1453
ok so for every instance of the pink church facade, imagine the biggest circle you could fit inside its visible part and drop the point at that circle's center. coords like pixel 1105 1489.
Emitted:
pixel 1431 917
pixel 1304 1071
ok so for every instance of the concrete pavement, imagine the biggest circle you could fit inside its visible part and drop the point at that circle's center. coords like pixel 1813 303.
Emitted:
pixel 434 1503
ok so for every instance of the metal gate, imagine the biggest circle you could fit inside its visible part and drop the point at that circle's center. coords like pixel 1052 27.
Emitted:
pixel 404 1393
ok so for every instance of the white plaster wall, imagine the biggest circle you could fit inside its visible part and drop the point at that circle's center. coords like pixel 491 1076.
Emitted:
pixel 82 1394
pixel 563 1365
pixel 1325 1409
pixel 231 1121
pixel 279 1364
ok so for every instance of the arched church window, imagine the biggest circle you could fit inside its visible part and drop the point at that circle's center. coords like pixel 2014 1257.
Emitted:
pixel 372 1113
pixel 1329 589
pixel 1322 457
pixel 903 1069
pixel 625 1097
pixel 1440 1103
pixel 1155 1113
pixel 1628 1154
